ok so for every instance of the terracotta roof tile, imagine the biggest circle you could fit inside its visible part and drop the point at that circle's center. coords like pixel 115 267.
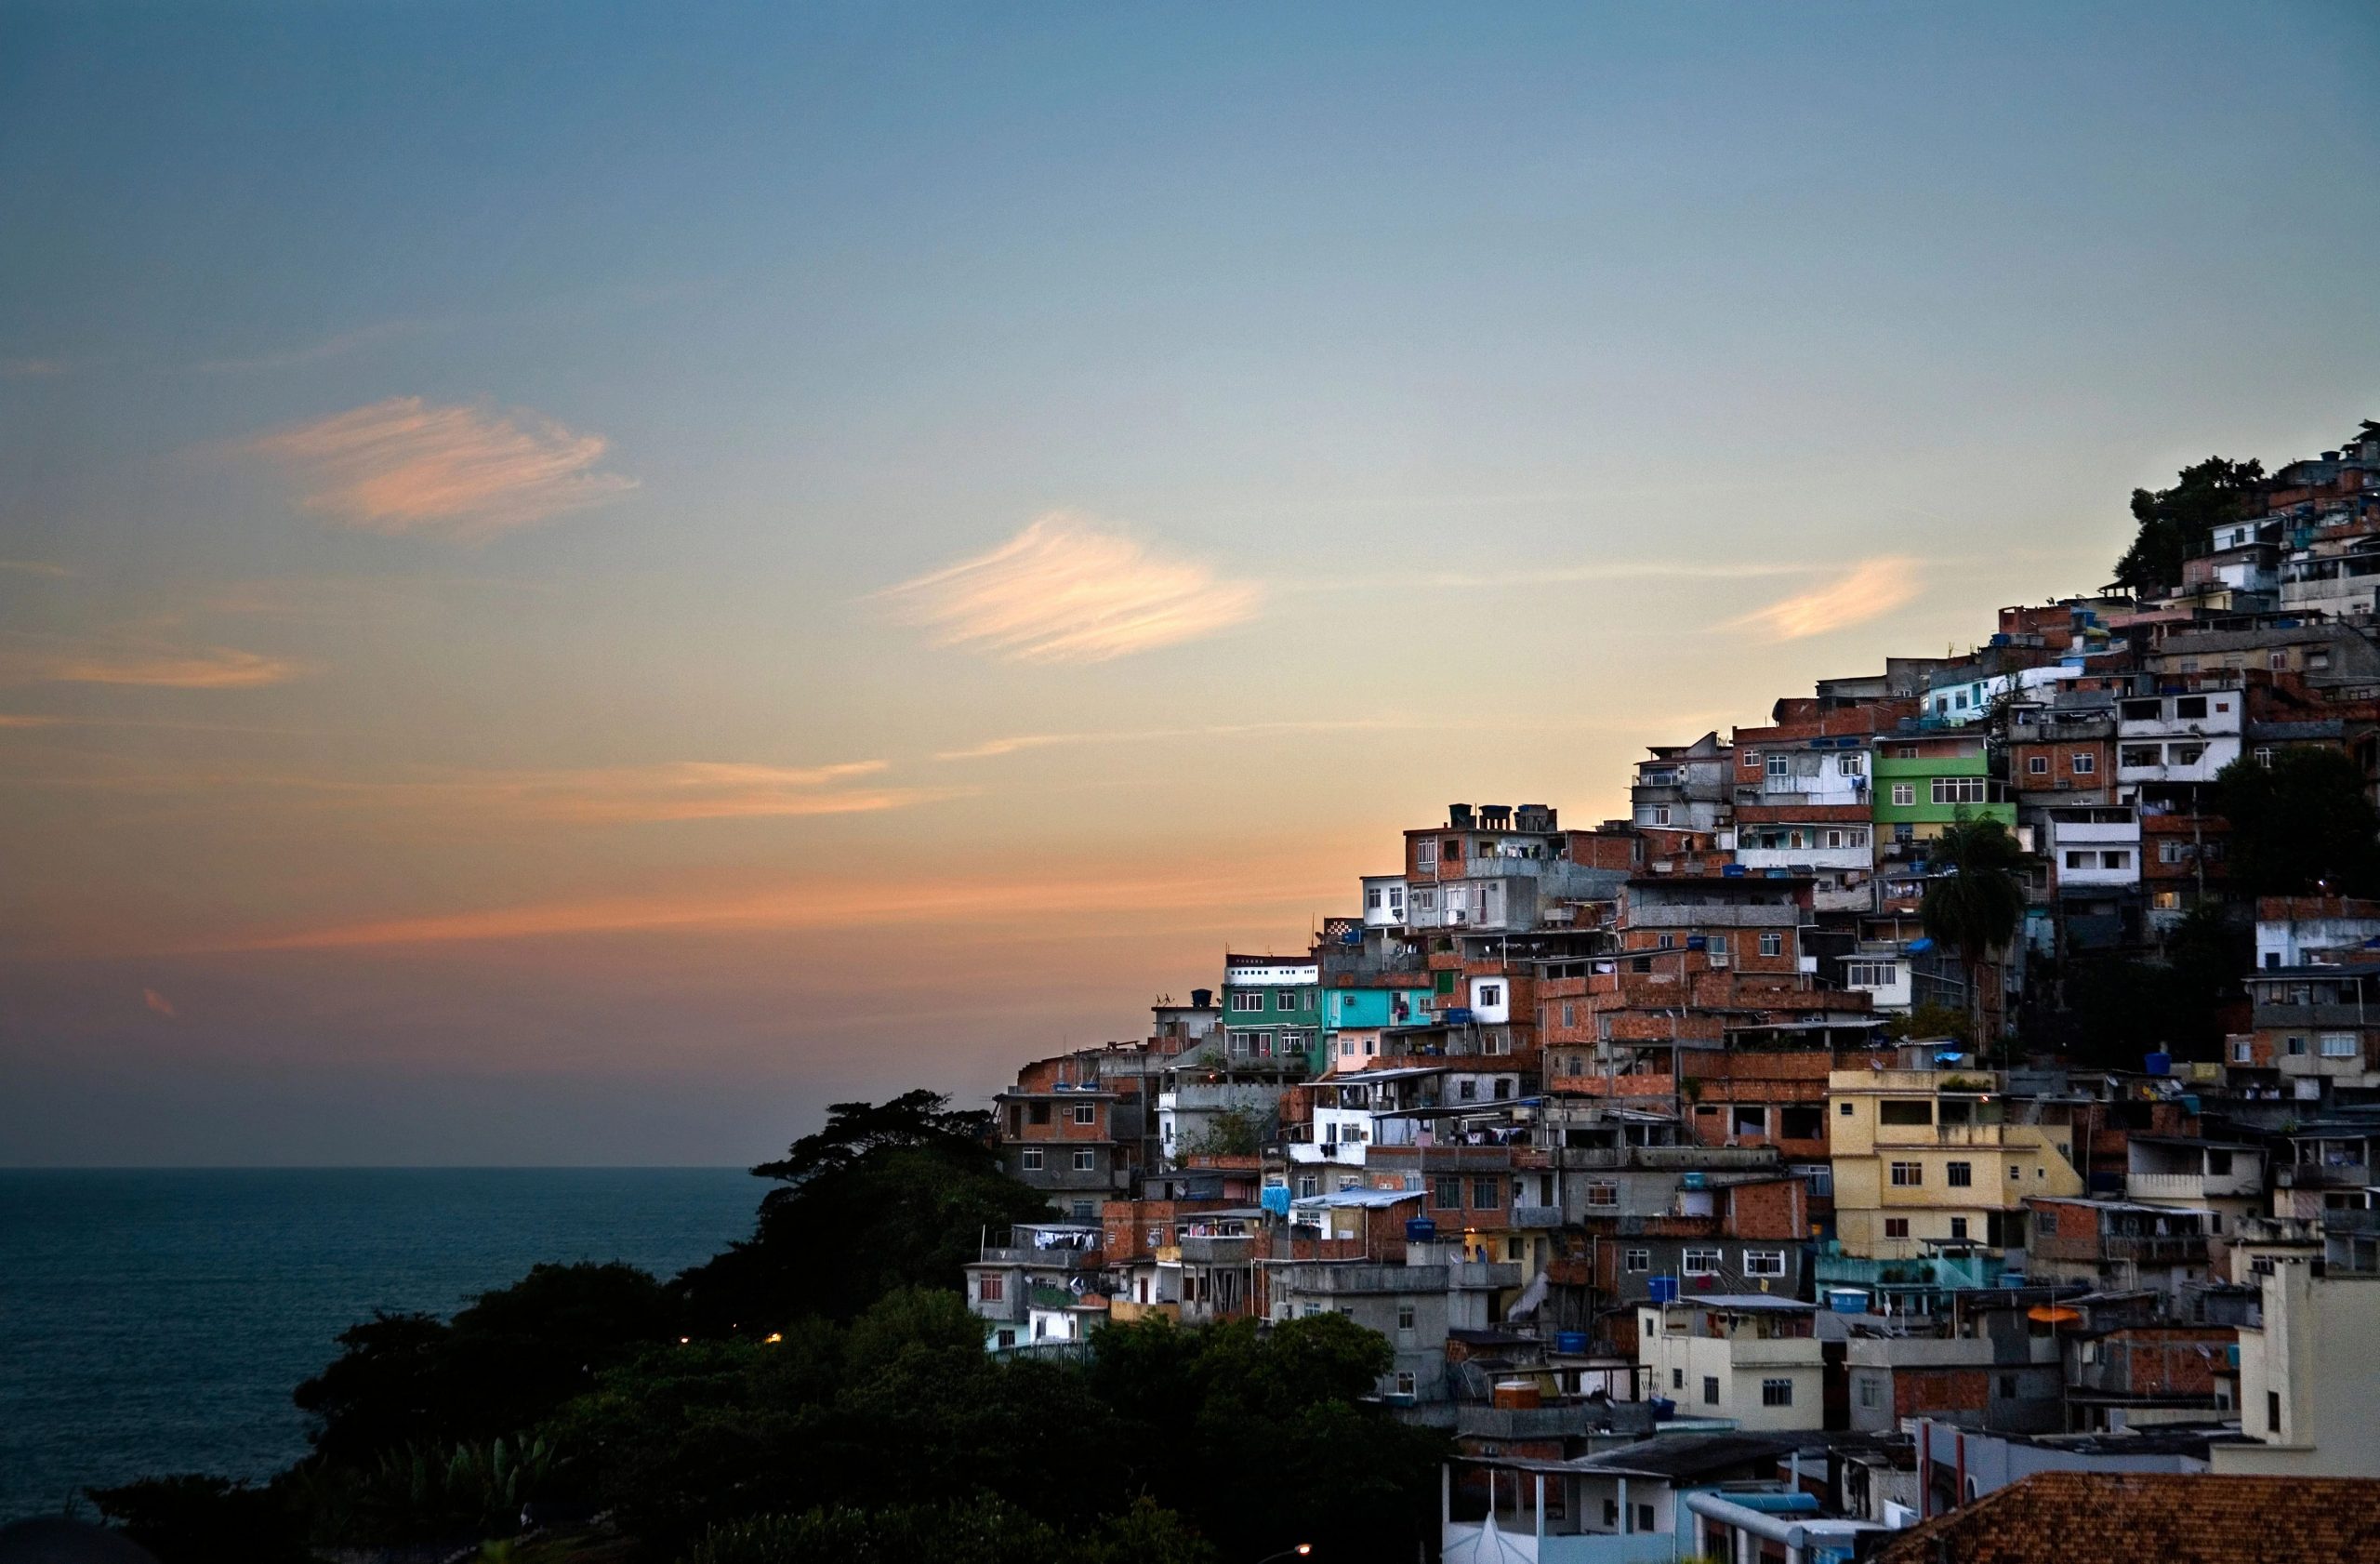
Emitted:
pixel 2124 1518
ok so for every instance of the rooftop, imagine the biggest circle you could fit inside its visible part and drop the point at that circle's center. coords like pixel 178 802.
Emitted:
pixel 2121 1517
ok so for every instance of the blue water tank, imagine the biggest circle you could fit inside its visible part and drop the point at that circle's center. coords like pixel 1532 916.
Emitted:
pixel 1420 1229
pixel 1664 1289
pixel 1663 1408
pixel 2158 1064
pixel 1692 1179
pixel 1570 1344
pixel 1275 1197
pixel 1732 871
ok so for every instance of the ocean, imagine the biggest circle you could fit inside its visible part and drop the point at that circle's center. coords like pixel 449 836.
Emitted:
pixel 157 1321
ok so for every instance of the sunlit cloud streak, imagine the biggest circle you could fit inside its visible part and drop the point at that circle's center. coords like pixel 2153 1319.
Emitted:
pixel 209 668
pixel 678 790
pixel 1016 743
pixel 34 567
pixel 1065 590
pixel 30 368
pixel 792 908
pixel 1875 587
pixel 159 1003
pixel 461 473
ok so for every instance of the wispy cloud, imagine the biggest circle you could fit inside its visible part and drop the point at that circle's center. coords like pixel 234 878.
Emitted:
pixel 1874 587
pixel 30 368
pixel 1544 576
pixel 796 907
pixel 206 668
pixel 34 567
pixel 679 790
pixel 1065 590
pixel 159 1003
pixel 327 348
pixel 1016 743
pixel 462 474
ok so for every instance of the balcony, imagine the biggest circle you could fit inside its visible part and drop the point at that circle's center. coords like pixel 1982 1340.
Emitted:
pixel 2179 1249
pixel 1537 1217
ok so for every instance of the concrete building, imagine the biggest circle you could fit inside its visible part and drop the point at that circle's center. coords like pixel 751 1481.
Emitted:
pixel 1931 1159
pixel 2310 1375
pixel 1752 1357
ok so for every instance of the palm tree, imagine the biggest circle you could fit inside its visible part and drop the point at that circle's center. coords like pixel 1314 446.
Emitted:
pixel 1975 900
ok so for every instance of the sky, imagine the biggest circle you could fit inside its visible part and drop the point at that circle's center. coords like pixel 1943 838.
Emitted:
pixel 577 582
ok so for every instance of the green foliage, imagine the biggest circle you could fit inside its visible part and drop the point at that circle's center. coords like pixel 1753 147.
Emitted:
pixel 886 1196
pixel 469 1491
pixel 2301 827
pixel 192 1519
pixel 2177 522
pixel 1234 1131
pixel 1931 1020
pixel 1977 906
pixel 985 1530
pixel 2123 1009
pixel 507 1361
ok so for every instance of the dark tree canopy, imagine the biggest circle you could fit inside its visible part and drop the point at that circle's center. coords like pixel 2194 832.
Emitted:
pixel 507 1361
pixel 2302 826
pixel 887 1195
pixel 2177 523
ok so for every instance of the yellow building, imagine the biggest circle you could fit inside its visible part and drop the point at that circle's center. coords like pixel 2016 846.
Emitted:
pixel 1929 1159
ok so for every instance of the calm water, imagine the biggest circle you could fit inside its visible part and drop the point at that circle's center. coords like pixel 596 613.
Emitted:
pixel 157 1321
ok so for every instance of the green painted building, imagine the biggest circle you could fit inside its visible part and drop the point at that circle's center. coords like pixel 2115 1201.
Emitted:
pixel 1926 781
pixel 1366 1010
pixel 1272 1012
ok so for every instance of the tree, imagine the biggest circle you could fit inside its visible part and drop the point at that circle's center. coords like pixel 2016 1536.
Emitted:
pixel 2302 826
pixel 507 1361
pixel 2177 524
pixel 1974 901
pixel 886 1196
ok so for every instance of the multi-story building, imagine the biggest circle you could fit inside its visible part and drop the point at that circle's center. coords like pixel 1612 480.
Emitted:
pixel 2115 1245
pixel 2309 1375
pixel 1273 1011
pixel 1684 787
pixel 1926 781
pixel 1752 1358
pixel 2165 742
pixel 1929 1160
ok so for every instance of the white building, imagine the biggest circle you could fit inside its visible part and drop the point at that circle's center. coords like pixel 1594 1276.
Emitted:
pixel 2309 1373
pixel 1384 901
pixel 2177 738
pixel 1750 1356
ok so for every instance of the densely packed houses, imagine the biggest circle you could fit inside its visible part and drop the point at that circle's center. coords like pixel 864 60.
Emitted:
pixel 1706 1199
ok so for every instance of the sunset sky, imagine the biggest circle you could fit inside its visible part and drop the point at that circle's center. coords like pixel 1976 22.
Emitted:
pixel 576 582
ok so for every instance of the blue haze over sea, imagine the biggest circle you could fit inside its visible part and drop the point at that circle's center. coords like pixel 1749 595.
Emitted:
pixel 156 1322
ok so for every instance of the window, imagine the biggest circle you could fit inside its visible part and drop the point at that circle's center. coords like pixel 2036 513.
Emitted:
pixel 1772 943
pixel 1904 794
pixel 1603 1194
pixel 1957 1227
pixel 1750 1121
pixel 1677 1379
pixel 1868 1392
pixel 2184 754
pixel 1871 974
pixel 2294 1046
pixel 1896 1226
pixel 1445 1192
pixel 1442 982
pixel 1425 855
pixel 2083 763
pixel 1246 1000
pixel 2115 860
pixel 2037 765
pixel 1404 1382
pixel 1711 1390
pixel 1959 1175
pixel 1570 1013
pixel 1030 1159
pixel 1466 1089
pixel 1702 1262
pixel 1451 849
pixel 1908 1175
pixel 1852 765
pixel 1085 1212
pixel 2189 708
pixel 1764 1261
pixel 1372 898
pixel 1716 944
pixel 1776 1392
pixel 2272 1412
pixel 1405 1316
pixel 1482 1194
pixel 1637 1261
pixel 989 1289
pixel 1086 1113
pixel 1780 767
pixel 2338 1045
pixel 1309 1186
pixel 1083 1161
pixel 1491 994
pixel 2075 859
pixel 1905 1113
pixel 1644 1518
pixel 1958 789
pixel 1660 813
pixel 2139 754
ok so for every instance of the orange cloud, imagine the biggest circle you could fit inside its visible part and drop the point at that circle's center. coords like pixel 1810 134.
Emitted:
pixel 1065 591
pixel 159 1003
pixel 834 904
pixel 213 668
pixel 1875 587
pixel 462 474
